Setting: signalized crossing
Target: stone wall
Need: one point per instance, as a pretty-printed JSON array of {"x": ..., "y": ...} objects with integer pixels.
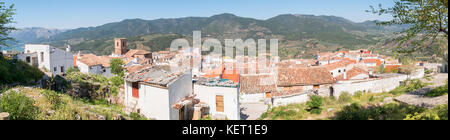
[
  {"x": 374, "y": 86},
  {"x": 292, "y": 99}
]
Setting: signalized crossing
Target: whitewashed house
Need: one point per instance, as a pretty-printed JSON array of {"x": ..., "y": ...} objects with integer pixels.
[
  {"x": 92, "y": 64},
  {"x": 220, "y": 96},
  {"x": 159, "y": 93},
  {"x": 51, "y": 59},
  {"x": 339, "y": 68}
]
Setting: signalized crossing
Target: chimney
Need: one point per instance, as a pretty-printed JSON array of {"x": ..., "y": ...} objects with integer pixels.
[{"x": 68, "y": 48}]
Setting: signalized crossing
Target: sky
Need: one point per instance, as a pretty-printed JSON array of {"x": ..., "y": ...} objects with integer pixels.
[{"x": 70, "y": 14}]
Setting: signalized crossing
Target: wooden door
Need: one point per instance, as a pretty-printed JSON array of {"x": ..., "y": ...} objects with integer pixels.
[{"x": 219, "y": 103}]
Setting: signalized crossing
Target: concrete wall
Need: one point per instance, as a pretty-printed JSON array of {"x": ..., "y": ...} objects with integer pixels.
[
  {"x": 294, "y": 99},
  {"x": 252, "y": 98},
  {"x": 374, "y": 86},
  {"x": 231, "y": 100},
  {"x": 179, "y": 90},
  {"x": 154, "y": 102}
]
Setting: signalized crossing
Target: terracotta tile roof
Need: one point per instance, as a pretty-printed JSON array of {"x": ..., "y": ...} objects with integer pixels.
[
  {"x": 93, "y": 60},
  {"x": 131, "y": 53},
  {"x": 136, "y": 68},
  {"x": 337, "y": 65},
  {"x": 352, "y": 73},
  {"x": 286, "y": 91},
  {"x": 251, "y": 84},
  {"x": 372, "y": 61},
  {"x": 304, "y": 76}
]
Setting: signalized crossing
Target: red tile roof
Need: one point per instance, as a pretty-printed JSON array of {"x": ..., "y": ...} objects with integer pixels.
[
  {"x": 92, "y": 60},
  {"x": 337, "y": 65},
  {"x": 304, "y": 76},
  {"x": 352, "y": 73},
  {"x": 251, "y": 84},
  {"x": 372, "y": 61}
]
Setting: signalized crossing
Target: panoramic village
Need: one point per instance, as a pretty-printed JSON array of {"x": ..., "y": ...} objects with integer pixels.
[
  {"x": 159, "y": 85},
  {"x": 327, "y": 60}
]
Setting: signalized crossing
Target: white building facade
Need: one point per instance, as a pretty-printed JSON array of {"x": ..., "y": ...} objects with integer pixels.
[{"x": 54, "y": 60}]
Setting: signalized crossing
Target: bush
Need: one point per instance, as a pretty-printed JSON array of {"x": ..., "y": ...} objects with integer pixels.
[
  {"x": 15, "y": 71},
  {"x": 387, "y": 112},
  {"x": 315, "y": 104},
  {"x": 136, "y": 116},
  {"x": 345, "y": 97},
  {"x": 353, "y": 112},
  {"x": 409, "y": 86},
  {"x": 53, "y": 98},
  {"x": 439, "y": 91},
  {"x": 19, "y": 106},
  {"x": 436, "y": 113}
]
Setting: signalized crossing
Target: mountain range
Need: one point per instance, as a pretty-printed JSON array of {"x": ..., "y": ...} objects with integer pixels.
[{"x": 299, "y": 35}]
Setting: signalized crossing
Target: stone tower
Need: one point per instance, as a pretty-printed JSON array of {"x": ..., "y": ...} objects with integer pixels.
[{"x": 120, "y": 46}]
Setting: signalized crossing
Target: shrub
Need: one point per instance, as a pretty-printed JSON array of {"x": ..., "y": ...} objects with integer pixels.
[
  {"x": 53, "y": 98},
  {"x": 136, "y": 116},
  {"x": 391, "y": 111},
  {"x": 358, "y": 94},
  {"x": 409, "y": 86},
  {"x": 437, "y": 113},
  {"x": 19, "y": 106},
  {"x": 315, "y": 104},
  {"x": 439, "y": 91},
  {"x": 345, "y": 97}
]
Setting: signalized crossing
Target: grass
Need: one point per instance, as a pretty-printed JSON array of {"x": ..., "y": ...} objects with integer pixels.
[
  {"x": 42, "y": 104},
  {"x": 439, "y": 91},
  {"x": 409, "y": 86}
]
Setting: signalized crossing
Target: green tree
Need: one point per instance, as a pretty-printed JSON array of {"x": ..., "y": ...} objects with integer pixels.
[
  {"x": 116, "y": 67},
  {"x": 428, "y": 20},
  {"x": 6, "y": 13}
]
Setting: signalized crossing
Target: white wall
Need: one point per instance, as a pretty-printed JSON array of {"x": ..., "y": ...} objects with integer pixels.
[
  {"x": 179, "y": 90},
  {"x": 208, "y": 94},
  {"x": 252, "y": 98},
  {"x": 295, "y": 99},
  {"x": 154, "y": 102},
  {"x": 336, "y": 72},
  {"x": 374, "y": 86},
  {"x": 98, "y": 69},
  {"x": 53, "y": 57}
]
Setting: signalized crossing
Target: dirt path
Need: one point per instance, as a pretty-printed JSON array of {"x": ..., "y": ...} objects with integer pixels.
[{"x": 417, "y": 97}]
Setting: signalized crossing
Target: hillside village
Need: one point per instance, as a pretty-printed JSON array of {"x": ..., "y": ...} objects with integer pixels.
[{"x": 186, "y": 85}]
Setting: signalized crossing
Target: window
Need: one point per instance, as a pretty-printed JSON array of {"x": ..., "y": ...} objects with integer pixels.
[
  {"x": 42, "y": 57},
  {"x": 219, "y": 103},
  {"x": 62, "y": 69},
  {"x": 28, "y": 59},
  {"x": 104, "y": 70},
  {"x": 339, "y": 71},
  {"x": 55, "y": 69},
  {"x": 135, "y": 89},
  {"x": 345, "y": 70}
]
